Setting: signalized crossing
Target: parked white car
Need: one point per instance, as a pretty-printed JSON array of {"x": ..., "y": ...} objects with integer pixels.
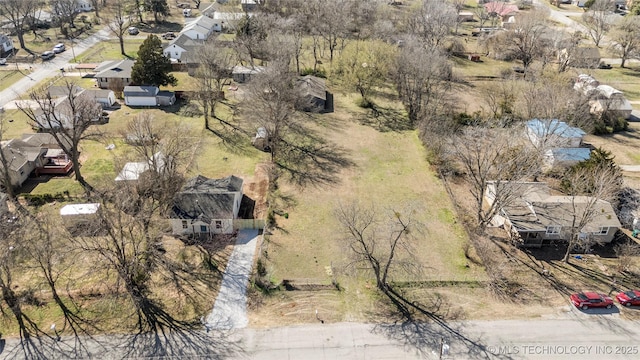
[
  {"x": 58, "y": 48},
  {"x": 3, "y": 61}
]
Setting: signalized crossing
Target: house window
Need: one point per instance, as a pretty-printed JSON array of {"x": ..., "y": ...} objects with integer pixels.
[
  {"x": 218, "y": 224},
  {"x": 176, "y": 53},
  {"x": 604, "y": 230},
  {"x": 184, "y": 224},
  {"x": 553, "y": 230},
  {"x": 203, "y": 228}
]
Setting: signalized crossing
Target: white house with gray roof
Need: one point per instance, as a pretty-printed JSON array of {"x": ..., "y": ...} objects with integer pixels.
[
  {"x": 206, "y": 206},
  {"x": 178, "y": 48}
]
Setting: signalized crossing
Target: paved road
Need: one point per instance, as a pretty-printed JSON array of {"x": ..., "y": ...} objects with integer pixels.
[
  {"x": 52, "y": 67},
  {"x": 230, "y": 308},
  {"x": 578, "y": 335}
]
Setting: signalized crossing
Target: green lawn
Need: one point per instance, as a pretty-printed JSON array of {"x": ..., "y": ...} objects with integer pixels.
[
  {"x": 390, "y": 170},
  {"x": 110, "y": 50},
  {"x": 9, "y": 77}
]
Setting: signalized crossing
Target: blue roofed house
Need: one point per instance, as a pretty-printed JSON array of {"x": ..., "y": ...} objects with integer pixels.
[
  {"x": 206, "y": 206},
  {"x": 559, "y": 158},
  {"x": 559, "y": 143},
  {"x": 553, "y": 134}
]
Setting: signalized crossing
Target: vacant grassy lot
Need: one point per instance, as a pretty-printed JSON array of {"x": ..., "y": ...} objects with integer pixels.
[
  {"x": 389, "y": 170},
  {"x": 9, "y": 77},
  {"x": 110, "y": 50}
]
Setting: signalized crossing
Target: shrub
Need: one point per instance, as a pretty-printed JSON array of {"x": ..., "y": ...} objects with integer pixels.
[{"x": 317, "y": 72}]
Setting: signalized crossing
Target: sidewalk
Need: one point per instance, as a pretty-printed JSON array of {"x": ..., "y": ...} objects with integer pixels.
[{"x": 230, "y": 308}]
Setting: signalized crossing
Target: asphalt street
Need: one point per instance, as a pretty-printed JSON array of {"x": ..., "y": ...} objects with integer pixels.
[{"x": 51, "y": 68}]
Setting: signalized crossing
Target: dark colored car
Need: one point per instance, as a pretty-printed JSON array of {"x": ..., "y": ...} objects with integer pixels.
[
  {"x": 590, "y": 299},
  {"x": 133, "y": 30},
  {"x": 629, "y": 298},
  {"x": 169, "y": 36}
]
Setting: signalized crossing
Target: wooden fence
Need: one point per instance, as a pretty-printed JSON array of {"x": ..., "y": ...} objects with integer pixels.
[{"x": 240, "y": 224}]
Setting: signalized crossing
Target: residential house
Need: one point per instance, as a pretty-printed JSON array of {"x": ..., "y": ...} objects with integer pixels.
[
  {"x": 553, "y": 134},
  {"x": 180, "y": 46},
  {"x": 580, "y": 57},
  {"x": 84, "y": 6},
  {"x": 207, "y": 206},
  {"x": 315, "y": 96},
  {"x": 55, "y": 161},
  {"x": 241, "y": 74},
  {"x": 611, "y": 101},
  {"x": 502, "y": 11},
  {"x": 114, "y": 73},
  {"x": 6, "y": 45},
  {"x": 603, "y": 98},
  {"x": 63, "y": 112},
  {"x": 199, "y": 29},
  {"x": 536, "y": 217},
  {"x": 22, "y": 159},
  {"x": 227, "y": 21},
  {"x": 560, "y": 158},
  {"x": 147, "y": 96},
  {"x": 249, "y": 5},
  {"x": 105, "y": 97}
]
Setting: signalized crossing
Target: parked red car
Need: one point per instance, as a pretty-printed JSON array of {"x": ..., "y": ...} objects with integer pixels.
[
  {"x": 629, "y": 298},
  {"x": 590, "y": 299}
]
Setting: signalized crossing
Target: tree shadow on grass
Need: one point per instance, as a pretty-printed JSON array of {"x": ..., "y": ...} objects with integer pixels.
[
  {"x": 309, "y": 159},
  {"x": 386, "y": 119}
]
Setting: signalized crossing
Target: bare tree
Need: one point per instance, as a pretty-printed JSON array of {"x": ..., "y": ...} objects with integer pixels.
[
  {"x": 589, "y": 190},
  {"x": 491, "y": 155},
  {"x": 363, "y": 65},
  {"x": 596, "y": 20},
  {"x": 68, "y": 119},
  {"x": 211, "y": 74},
  {"x": 432, "y": 22},
  {"x": 381, "y": 243},
  {"x": 270, "y": 102},
  {"x": 120, "y": 23},
  {"x": 525, "y": 40},
  {"x": 19, "y": 13},
  {"x": 551, "y": 96},
  {"x": 625, "y": 39},
  {"x": 66, "y": 11},
  {"x": 422, "y": 79}
]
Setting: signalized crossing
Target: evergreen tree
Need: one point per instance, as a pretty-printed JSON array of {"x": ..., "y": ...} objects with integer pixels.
[
  {"x": 158, "y": 7},
  {"x": 152, "y": 67}
]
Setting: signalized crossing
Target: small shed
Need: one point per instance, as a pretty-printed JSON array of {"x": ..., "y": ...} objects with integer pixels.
[
  {"x": 106, "y": 98},
  {"x": 140, "y": 95},
  {"x": 243, "y": 74},
  {"x": 166, "y": 98},
  {"x": 261, "y": 140},
  {"x": 80, "y": 218},
  {"x": 465, "y": 16}
]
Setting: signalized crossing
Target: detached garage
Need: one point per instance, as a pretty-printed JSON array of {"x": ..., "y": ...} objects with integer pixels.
[
  {"x": 140, "y": 95},
  {"x": 106, "y": 98}
]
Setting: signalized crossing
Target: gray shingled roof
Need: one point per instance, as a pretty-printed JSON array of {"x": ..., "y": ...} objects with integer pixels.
[
  {"x": 142, "y": 91},
  {"x": 312, "y": 86},
  {"x": 206, "y": 199},
  {"x": 114, "y": 69}
]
